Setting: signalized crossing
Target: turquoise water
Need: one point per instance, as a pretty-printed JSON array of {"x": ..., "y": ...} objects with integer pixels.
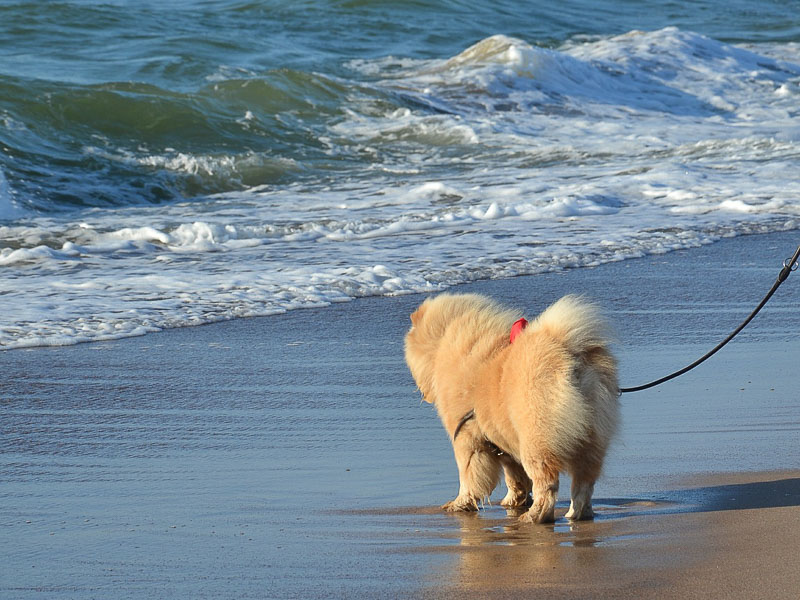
[
  {"x": 136, "y": 78},
  {"x": 172, "y": 164}
]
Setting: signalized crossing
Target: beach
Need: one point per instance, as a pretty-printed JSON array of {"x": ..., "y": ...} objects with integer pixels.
[
  {"x": 290, "y": 456},
  {"x": 216, "y": 218}
]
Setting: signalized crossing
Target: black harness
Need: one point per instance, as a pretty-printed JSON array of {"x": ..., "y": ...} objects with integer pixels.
[
  {"x": 491, "y": 447},
  {"x": 462, "y": 422}
]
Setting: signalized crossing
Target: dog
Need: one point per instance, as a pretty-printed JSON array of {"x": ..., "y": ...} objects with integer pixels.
[{"x": 543, "y": 404}]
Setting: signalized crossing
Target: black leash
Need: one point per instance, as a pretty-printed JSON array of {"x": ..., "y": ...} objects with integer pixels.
[{"x": 789, "y": 265}]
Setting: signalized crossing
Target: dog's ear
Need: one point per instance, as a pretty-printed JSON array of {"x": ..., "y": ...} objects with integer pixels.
[{"x": 417, "y": 315}]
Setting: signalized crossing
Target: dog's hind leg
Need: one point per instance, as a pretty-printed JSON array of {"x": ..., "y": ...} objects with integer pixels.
[
  {"x": 580, "y": 507},
  {"x": 517, "y": 482},
  {"x": 544, "y": 473},
  {"x": 583, "y": 478},
  {"x": 478, "y": 474}
]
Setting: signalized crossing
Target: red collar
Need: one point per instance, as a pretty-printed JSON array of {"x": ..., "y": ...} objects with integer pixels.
[{"x": 517, "y": 328}]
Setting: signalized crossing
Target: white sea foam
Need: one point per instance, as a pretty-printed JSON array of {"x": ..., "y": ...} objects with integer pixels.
[
  {"x": 513, "y": 160},
  {"x": 229, "y": 170}
]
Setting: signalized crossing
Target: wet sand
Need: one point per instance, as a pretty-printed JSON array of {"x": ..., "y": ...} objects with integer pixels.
[
  {"x": 738, "y": 543},
  {"x": 290, "y": 456}
]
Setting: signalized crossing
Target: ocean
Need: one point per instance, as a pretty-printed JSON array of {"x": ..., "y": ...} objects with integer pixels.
[{"x": 166, "y": 164}]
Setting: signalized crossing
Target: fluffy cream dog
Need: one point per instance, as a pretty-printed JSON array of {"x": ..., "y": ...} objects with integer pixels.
[{"x": 544, "y": 404}]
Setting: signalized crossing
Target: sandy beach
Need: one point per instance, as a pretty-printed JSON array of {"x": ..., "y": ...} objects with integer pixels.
[{"x": 291, "y": 457}]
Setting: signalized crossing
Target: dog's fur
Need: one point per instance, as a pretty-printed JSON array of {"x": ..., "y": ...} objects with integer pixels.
[{"x": 548, "y": 402}]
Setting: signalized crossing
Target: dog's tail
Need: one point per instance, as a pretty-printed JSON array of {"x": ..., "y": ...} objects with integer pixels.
[{"x": 577, "y": 323}]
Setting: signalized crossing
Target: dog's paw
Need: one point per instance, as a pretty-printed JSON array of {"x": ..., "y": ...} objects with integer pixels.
[
  {"x": 528, "y": 517},
  {"x": 538, "y": 513},
  {"x": 461, "y": 505},
  {"x": 584, "y": 514},
  {"x": 516, "y": 500}
]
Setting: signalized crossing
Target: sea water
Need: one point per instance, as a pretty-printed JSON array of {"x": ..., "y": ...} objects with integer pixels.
[{"x": 165, "y": 164}]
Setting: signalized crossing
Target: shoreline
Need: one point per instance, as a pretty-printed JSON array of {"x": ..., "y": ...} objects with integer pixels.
[
  {"x": 149, "y": 329},
  {"x": 290, "y": 456}
]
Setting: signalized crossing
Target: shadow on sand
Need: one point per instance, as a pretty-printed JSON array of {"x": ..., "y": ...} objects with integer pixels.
[{"x": 741, "y": 496}]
